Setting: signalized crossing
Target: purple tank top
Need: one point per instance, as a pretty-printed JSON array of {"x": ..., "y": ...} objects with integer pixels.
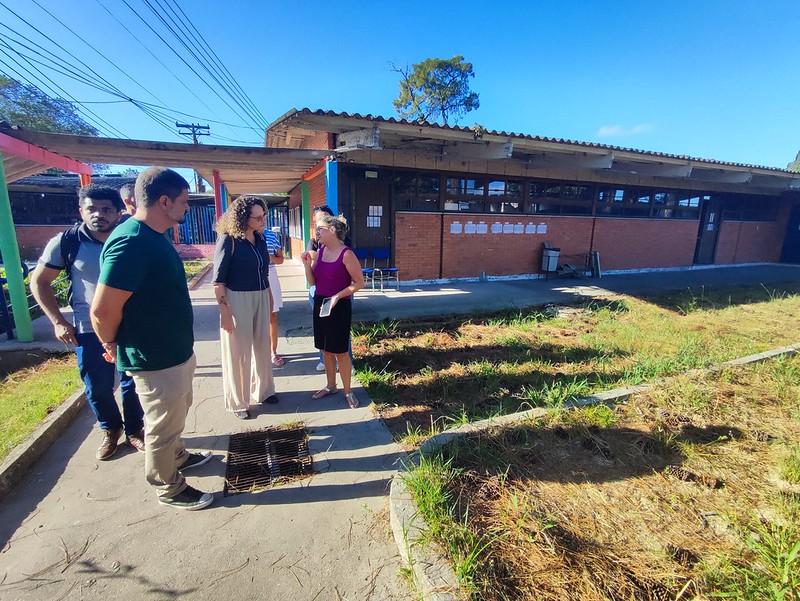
[{"x": 331, "y": 277}]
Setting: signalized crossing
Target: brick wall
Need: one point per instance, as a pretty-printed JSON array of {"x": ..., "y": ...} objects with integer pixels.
[
  {"x": 317, "y": 196},
  {"x": 195, "y": 251},
  {"x": 33, "y": 238},
  {"x": 622, "y": 243},
  {"x": 320, "y": 140},
  {"x": 316, "y": 191},
  {"x": 644, "y": 243},
  {"x": 416, "y": 245},
  {"x": 750, "y": 242}
]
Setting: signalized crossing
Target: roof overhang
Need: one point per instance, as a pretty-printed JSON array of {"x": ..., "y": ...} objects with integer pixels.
[
  {"x": 242, "y": 169},
  {"x": 21, "y": 159},
  {"x": 373, "y": 140}
]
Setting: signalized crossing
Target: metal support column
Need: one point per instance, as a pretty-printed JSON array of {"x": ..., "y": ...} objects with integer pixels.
[{"x": 10, "y": 250}]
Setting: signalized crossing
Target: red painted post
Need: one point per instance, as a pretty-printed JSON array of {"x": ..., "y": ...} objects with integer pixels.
[{"x": 217, "y": 196}]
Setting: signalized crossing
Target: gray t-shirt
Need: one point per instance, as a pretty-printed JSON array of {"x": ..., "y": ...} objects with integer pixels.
[{"x": 85, "y": 273}]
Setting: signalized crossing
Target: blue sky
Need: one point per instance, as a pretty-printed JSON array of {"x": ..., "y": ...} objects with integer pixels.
[{"x": 710, "y": 79}]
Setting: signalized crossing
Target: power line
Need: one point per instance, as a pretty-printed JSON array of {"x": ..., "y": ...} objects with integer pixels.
[
  {"x": 86, "y": 43},
  {"x": 185, "y": 40},
  {"x": 215, "y": 58},
  {"x": 156, "y": 112},
  {"x": 158, "y": 60},
  {"x": 94, "y": 118},
  {"x": 114, "y": 90},
  {"x": 183, "y": 60}
]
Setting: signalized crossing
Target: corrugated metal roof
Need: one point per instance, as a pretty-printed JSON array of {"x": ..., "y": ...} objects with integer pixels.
[
  {"x": 72, "y": 181},
  {"x": 646, "y": 153}
]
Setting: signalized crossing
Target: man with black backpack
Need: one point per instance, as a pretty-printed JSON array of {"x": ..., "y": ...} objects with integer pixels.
[{"x": 76, "y": 251}]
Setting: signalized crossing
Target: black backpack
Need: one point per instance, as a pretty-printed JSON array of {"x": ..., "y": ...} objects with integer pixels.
[{"x": 70, "y": 242}]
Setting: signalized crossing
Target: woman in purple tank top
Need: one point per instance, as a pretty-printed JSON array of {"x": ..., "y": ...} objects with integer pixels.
[{"x": 337, "y": 275}]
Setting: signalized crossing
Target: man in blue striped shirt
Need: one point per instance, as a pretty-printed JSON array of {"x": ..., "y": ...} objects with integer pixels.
[{"x": 276, "y": 298}]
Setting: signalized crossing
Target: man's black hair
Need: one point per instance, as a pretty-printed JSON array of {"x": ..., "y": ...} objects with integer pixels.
[
  {"x": 98, "y": 192},
  {"x": 155, "y": 182},
  {"x": 324, "y": 209}
]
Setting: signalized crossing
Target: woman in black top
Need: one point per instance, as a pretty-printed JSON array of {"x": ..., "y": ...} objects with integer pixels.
[{"x": 241, "y": 264}]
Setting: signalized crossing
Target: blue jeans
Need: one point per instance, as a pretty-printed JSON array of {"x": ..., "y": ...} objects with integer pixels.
[{"x": 98, "y": 378}]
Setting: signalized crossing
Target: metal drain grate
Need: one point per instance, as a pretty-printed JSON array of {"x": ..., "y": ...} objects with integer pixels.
[{"x": 257, "y": 459}]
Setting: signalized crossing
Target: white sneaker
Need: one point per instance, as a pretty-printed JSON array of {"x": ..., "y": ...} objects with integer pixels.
[{"x": 320, "y": 366}]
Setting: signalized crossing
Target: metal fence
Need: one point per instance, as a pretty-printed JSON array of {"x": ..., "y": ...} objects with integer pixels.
[{"x": 198, "y": 228}]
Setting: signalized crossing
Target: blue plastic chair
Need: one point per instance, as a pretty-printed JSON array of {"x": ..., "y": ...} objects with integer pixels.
[
  {"x": 384, "y": 273},
  {"x": 362, "y": 254}
]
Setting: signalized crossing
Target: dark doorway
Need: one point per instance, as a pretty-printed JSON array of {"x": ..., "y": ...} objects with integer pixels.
[
  {"x": 791, "y": 241},
  {"x": 371, "y": 214},
  {"x": 707, "y": 237}
]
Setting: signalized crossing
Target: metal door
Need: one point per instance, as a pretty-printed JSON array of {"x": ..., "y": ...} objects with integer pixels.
[
  {"x": 710, "y": 219},
  {"x": 791, "y": 241},
  {"x": 371, "y": 225}
]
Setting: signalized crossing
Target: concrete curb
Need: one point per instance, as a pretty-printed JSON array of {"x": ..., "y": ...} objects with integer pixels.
[
  {"x": 195, "y": 281},
  {"x": 433, "y": 575},
  {"x": 22, "y": 457}
]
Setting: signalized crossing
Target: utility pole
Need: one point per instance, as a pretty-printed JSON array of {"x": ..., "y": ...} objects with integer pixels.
[{"x": 195, "y": 129}]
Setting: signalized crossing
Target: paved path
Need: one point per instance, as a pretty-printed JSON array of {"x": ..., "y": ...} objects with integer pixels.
[{"x": 77, "y": 528}]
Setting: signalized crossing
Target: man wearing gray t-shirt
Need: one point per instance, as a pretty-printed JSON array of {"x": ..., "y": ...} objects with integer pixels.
[{"x": 77, "y": 252}]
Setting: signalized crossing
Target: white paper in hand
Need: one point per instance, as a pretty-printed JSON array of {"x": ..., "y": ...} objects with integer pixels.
[{"x": 325, "y": 309}]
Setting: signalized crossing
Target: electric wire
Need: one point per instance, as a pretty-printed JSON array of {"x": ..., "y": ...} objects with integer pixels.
[
  {"x": 115, "y": 90},
  {"x": 156, "y": 112},
  {"x": 158, "y": 60},
  {"x": 183, "y": 60},
  {"x": 71, "y": 72},
  {"x": 185, "y": 40},
  {"x": 215, "y": 59},
  {"x": 178, "y": 33},
  {"x": 43, "y": 86},
  {"x": 89, "y": 45}
]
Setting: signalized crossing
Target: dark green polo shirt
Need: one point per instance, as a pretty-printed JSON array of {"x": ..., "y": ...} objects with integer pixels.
[{"x": 156, "y": 329}]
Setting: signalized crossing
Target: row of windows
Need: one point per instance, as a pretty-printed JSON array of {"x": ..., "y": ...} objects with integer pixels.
[
  {"x": 295, "y": 223},
  {"x": 423, "y": 192}
]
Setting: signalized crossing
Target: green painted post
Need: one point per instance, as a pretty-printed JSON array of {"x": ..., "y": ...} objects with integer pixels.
[{"x": 10, "y": 251}]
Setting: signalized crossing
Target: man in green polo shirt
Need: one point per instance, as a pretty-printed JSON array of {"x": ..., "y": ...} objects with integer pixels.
[{"x": 143, "y": 316}]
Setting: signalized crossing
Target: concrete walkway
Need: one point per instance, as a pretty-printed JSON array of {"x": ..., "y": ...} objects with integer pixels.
[{"x": 77, "y": 528}]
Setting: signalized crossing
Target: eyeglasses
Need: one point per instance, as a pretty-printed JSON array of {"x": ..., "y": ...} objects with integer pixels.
[
  {"x": 319, "y": 228},
  {"x": 259, "y": 218}
]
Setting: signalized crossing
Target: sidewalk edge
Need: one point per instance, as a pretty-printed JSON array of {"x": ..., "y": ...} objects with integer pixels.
[{"x": 22, "y": 457}]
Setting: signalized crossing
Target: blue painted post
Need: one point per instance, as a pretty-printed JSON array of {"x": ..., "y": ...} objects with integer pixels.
[
  {"x": 224, "y": 193},
  {"x": 332, "y": 185}
]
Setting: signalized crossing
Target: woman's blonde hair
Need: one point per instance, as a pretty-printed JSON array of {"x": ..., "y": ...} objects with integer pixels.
[
  {"x": 234, "y": 221},
  {"x": 339, "y": 224}
]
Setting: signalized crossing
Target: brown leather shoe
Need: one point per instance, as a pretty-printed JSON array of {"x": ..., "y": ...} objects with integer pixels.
[
  {"x": 137, "y": 440},
  {"x": 110, "y": 443}
]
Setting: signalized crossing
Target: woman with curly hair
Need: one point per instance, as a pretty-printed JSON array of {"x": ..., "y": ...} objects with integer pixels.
[{"x": 241, "y": 283}]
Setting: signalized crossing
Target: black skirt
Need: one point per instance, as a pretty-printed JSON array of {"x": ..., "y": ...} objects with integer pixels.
[{"x": 332, "y": 333}]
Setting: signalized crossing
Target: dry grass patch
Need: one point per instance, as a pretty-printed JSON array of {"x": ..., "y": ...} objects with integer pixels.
[
  {"x": 471, "y": 367},
  {"x": 681, "y": 493}
]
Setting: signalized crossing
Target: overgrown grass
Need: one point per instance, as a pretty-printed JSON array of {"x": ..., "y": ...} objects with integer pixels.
[
  {"x": 28, "y": 395},
  {"x": 194, "y": 266},
  {"x": 680, "y": 493},
  {"x": 512, "y": 360}
]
